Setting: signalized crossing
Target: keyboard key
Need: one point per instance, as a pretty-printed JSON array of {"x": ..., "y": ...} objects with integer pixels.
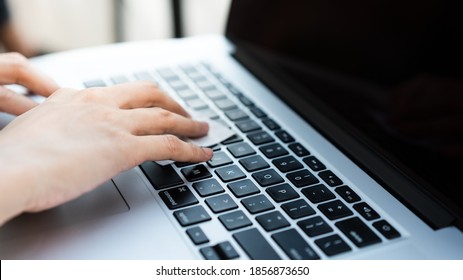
[
  {"x": 335, "y": 210},
  {"x": 255, "y": 245},
  {"x": 302, "y": 178},
  {"x": 273, "y": 150},
  {"x": 197, "y": 104},
  {"x": 271, "y": 124},
  {"x": 94, "y": 83},
  {"x": 314, "y": 163},
  {"x": 231, "y": 140},
  {"x": 314, "y": 226},
  {"x": 347, "y": 194},
  {"x": 366, "y": 211},
  {"x": 318, "y": 193},
  {"x": 358, "y": 232},
  {"x": 299, "y": 150},
  {"x": 386, "y": 229},
  {"x": 332, "y": 245},
  {"x": 187, "y": 94},
  {"x": 120, "y": 79},
  {"x": 240, "y": 149},
  {"x": 287, "y": 164},
  {"x": 191, "y": 216},
  {"x": 236, "y": 114},
  {"x": 284, "y": 136},
  {"x": 144, "y": 76},
  {"x": 230, "y": 173},
  {"x": 298, "y": 209},
  {"x": 160, "y": 176},
  {"x": 245, "y": 101},
  {"x": 247, "y": 126},
  {"x": 178, "y": 197},
  {"x": 294, "y": 245},
  {"x": 260, "y": 137},
  {"x": 267, "y": 177},
  {"x": 331, "y": 179},
  {"x": 219, "y": 159},
  {"x": 283, "y": 192},
  {"x": 204, "y": 85},
  {"x": 257, "y": 112},
  {"x": 214, "y": 94},
  {"x": 226, "y": 251},
  {"x": 195, "y": 173},
  {"x": 208, "y": 187},
  {"x": 221, "y": 203},
  {"x": 254, "y": 163},
  {"x": 209, "y": 253},
  {"x": 243, "y": 188},
  {"x": 257, "y": 204},
  {"x": 177, "y": 85},
  {"x": 225, "y": 104},
  {"x": 272, "y": 221},
  {"x": 197, "y": 235},
  {"x": 234, "y": 220}
]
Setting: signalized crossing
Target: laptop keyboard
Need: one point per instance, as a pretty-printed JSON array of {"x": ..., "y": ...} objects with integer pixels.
[{"x": 262, "y": 185}]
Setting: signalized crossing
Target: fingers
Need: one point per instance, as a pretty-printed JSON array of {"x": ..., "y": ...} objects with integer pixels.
[
  {"x": 15, "y": 69},
  {"x": 156, "y": 121},
  {"x": 162, "y": 147},
  {"x": 13, "y": 103},
  {"x": 141, "y": 95}
]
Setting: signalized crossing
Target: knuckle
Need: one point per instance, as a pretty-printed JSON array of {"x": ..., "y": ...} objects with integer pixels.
[{"x": 172, "y": 144}]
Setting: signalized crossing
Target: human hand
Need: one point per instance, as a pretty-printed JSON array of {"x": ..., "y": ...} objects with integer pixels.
[
  {"x": 76, "y": 140},
  {"x": 15, "y": 69}
]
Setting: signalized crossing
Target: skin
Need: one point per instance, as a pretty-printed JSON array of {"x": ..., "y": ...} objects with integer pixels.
[{"x": 77, "y": 139}]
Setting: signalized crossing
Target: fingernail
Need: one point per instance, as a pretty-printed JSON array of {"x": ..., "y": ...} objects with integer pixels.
[{"x": 204, "y": 127}]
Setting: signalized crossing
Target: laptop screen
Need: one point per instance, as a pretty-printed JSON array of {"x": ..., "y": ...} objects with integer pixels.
[{"x": 392, "y": 69}]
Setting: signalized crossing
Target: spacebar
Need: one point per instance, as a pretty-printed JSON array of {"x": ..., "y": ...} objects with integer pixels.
[{"x": 255, "y": 245}]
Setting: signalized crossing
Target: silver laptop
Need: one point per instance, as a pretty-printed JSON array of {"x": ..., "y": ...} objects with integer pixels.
[{"x": 335, "y": 154}]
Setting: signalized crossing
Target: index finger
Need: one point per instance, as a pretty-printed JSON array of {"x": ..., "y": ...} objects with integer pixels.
[{"x": 15, "y": 69}]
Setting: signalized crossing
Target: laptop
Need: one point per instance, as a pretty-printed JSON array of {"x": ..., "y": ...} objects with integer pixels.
[{"x": 346, "y": 141}]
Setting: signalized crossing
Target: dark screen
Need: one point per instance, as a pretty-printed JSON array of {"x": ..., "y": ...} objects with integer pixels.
[{"x": 392, "y": 69}]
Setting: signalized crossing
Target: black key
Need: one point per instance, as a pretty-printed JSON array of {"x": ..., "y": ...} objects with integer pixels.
[
  {"x": 255, "y": 245},
  {"x": 254, "y": 163},
  {"x": 178, "y": 197},
  {"x": 230, "y": 173},
  {"x": 191, "y": 216},
  {"x": 208, "y": 187},
  {"x": 245, "y": 101},
  {"x": 197, "y": 104},
  {"x": 386, "y": 229},
  {"x": 302, "y": 178},
  {"x": 332, "y": 245},
  {"x": 219, "y": 159},
  {"x": 221, "y": 203},
  {"x": 209, "y": 253},
  {"x": 195, "y": 173},
  {"x": 335, "y": 209},
  {"x": 273, "y": 150},
  {"x": 197, "y": 235},
  {"x": 214, "y": 94},
  {"x": 294, "y": 245},
  {"x": 231, "y": 140},
  {"x": 299, "y": 150},
  {"x": 366, "y": 211},
  {"x": 347, "y": 194},
  {"x": 314, "y": 163},
  {"x": 247, "y": 126},
  {"x": 234, "y": 90},
  {"x": 234, "y": 220},
  {"x": 358, "y": 232},
  {"x": 225, "y": 104},
  {"x": 283, "y": 192},
  {"x": 257, "y": 204},
  {"x": 257, "y": 112},
  {"x": 260, "y": 137},
  {"x": 226, "y": 251},
  {"x": 331, "y": 179},
  {"x": 267, "y": 177},
  {"x": 236, "y": 114},
  {"x": 298, "y": 209},
  {"x": 243, "y": 188},
  {"x": 318, "y": 193},
  {"x": 286, "y": 164},
  {"x": 183, "y": 164},
  {"x": 314, "y": 226},
  {"x": 160, "y": 177},
  {"x": 94, "y": 83},
  {"x": 272, "y": 221},
  {"x": 271, "y": 124},
  {"x": 240, "y": 150},
  {"x": 284, "y": 136},
  {"x": 119, "y": 79}
]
